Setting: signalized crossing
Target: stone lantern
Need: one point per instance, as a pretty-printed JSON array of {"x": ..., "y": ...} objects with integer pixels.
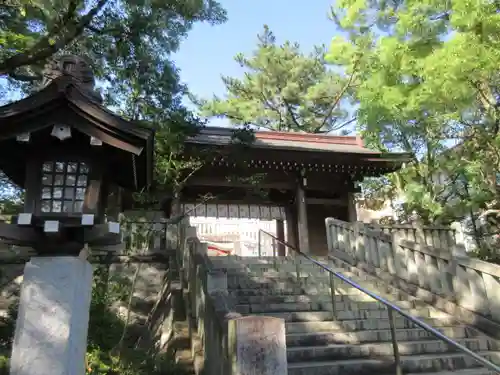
[{"x": 65, "y": 149}]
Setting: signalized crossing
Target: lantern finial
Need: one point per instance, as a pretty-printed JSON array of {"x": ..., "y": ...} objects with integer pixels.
[{"x": 77, "y": 67}]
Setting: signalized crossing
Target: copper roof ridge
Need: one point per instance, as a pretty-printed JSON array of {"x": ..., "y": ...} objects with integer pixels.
[{"x": 354, "y": 140}]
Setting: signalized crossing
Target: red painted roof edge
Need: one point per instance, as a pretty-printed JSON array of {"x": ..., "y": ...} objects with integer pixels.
[
  {"x": 359, "y": 141},
  {"x": 314, "y": 138}
]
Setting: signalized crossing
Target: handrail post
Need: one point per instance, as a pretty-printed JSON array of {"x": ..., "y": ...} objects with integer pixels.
[
  {"x": 274, "y": 254},
  {"x": 332, "y": 295},
  {"x": 395, "y": 348},
  {"x": 259, "y": 239}
]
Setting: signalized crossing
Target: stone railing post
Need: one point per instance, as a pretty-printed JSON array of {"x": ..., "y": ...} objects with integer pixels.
[
  {"x": 197, "y": 278},
  {"x": 355, "y": 245},
  {"x": 213, "y": 299},
  {"x": 208, "y": 329},
  {"x": 216, "y": 282},
  {"x": 257, "y": 346},
  {"x": 396, "y": 256},
  {"x": 230, "y": 344},
  {"x": 330, "y": 234},
  {"x": 458, "y": 250},
  {"x": 235, "y": 345}
]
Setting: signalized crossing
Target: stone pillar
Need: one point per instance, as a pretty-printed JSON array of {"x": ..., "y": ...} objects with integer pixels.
[
  {"x": 52, "y": 323},
  {"x": 457, "y": 244},
  {"x": 257, "y": 345},
  {"x": 291, "y": 225},
  {"x": 303, "y": 230},
  {"x": 176, "y": 204},
  {"x": 216, "y": 282},
  {"x": 280, "y": 233},
  {"x": 352, "y": 213}
]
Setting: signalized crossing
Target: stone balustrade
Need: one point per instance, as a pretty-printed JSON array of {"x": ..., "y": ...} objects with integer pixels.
[
  {"x": 435, "y": 236},
  {"x": 224, "y": 342},
  {"x": 142, "y": 235},
  {"x": 445, "y": 276}
]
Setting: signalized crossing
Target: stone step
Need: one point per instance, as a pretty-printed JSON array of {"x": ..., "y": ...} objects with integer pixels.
[
  {"x": 373, "y": 336},
  {"x": 267, "y": 277},
  {"x": 311, "y": 283},
  {"x": 293, "y": 298},
  {"x": 416, "y": 363},
  {"x": 307, "y": 316},
  {"x": 301, "y": 261},
  {"x": 289, "y": 291},
  {"x": 363, "y": 281},
  {"x": 321, "y": 306},
  {"x": 336, "y": 352},
  {"x": 289, "y": 267},
  {"x": 317, "y": 273},
  {"x": 388, "y": 293},
  {"x": 313, "y": 286},
  {"x": 269, "y": 264},
  {"x": 308, "y": 288},
  {"x": 362, "y": 324},
  {"x": 264, "y": 260},
  {"x": 252, "y": 282},
  {"x": 470, "y": 371},
  {"x": 284, "y": 271},
  {"x": 292, "y": 287},
  {"x": 305, "y": 268}
]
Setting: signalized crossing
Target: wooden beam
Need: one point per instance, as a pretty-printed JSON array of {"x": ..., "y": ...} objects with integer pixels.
[
  {"x": 302, "y": 222},
  {"x": 102, "y": 234},
  {"x": 291, "y": 224},
  {"x": 327, "y": 201},
  {"x": 93, "y": 191},
  {"x": 364, "y": 163},
  {"x": 280, "y": 233},
  {"x": 19, "y": 234},
  {"x": 223, "y": 182},
  {"x": 257, "y": 202},
  {"x": 156, "y": 257},
  {"x": 217, "y": 177},
  {"x": 32, "y": 183}
]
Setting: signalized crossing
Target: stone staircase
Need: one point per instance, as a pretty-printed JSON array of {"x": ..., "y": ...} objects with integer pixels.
[{"x": 357, "y": 338}]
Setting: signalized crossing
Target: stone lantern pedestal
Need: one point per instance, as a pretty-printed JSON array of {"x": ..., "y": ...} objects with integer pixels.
[{"x": 51, "y": 329}]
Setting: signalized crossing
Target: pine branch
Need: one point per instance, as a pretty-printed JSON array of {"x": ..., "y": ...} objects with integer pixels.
[{"x": 341, "y": 94}]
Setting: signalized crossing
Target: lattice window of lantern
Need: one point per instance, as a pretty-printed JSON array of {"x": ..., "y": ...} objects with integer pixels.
[{"x": 63, "y": 186}]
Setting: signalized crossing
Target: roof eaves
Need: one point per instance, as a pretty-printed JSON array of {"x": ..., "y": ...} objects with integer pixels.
[{"x": 96, "y": 110}]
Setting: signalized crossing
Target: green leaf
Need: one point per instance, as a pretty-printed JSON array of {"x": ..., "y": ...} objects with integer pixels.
[{"x": 428, "y": 78}]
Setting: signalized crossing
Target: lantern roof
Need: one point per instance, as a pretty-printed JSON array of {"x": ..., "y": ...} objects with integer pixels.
[{"x": 67, "y": 98}]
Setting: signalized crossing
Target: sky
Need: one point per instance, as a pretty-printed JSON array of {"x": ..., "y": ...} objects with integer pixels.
[{"x": 208, "y": 51}]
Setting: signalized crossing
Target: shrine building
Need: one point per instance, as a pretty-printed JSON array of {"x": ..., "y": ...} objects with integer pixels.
[{"x": 306, "y": 178}]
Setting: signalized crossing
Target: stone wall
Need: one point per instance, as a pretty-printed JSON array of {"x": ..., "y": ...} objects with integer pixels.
[
  {"x": 149, "y": 281},
  {"x": 151, "y": 309}
]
